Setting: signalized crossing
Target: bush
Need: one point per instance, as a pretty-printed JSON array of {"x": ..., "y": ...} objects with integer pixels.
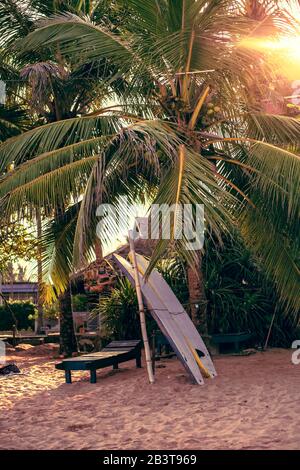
[
  {"x": 80, "y": 303},
  {"x": 119, "y": 314},
  {"x": 22, "y": 311},
  {"x": 240, "y": 297},
  {"x": 51, "y": 312},
  {"x": 118, "y": 311},
  {"x": 173, "y": 271}
]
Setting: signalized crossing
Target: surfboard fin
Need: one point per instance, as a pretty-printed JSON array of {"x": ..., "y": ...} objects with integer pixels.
[{"x": 196, "y": 353}]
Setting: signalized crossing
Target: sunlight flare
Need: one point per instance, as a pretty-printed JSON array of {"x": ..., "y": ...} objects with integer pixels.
[{"x": 283, "y": 52}]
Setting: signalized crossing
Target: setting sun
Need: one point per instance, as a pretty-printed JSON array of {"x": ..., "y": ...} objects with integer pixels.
[{"x": 283, "y": 53}]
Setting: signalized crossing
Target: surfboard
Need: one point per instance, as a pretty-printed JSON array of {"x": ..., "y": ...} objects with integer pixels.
[
  {"x": 180, "y": 316},
  {"x": 182, "y": 345}
]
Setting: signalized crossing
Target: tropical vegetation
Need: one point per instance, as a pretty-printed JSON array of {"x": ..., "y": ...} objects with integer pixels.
[
  {"x": 156, "y": 98},
  {"x": 20, "y": 312}
]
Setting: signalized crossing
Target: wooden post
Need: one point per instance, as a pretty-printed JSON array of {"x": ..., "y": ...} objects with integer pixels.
[
  {"x": 269, "y": 331},
  {"x": 141, "y": 309},
  {"x": 153, "y": 347},
  {"x": 93, "y": 379},
  {"x": 68, "y": 376}
]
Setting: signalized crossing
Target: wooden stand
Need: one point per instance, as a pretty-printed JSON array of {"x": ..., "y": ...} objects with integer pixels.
[{"x": 141, "y": 309}]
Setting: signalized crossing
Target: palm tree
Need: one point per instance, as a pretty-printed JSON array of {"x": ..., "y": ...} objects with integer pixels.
[
  {"x": 49, "y": 89},
  {"x": 188, "y": 128}
]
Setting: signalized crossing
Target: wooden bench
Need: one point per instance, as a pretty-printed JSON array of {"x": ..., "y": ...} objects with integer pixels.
[
  {"x": 232, "y": 338},
  {"x": 112, "y": 355}
]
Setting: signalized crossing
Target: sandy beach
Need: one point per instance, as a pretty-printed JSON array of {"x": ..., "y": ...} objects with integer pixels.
[{"x": 252, "y": 404}]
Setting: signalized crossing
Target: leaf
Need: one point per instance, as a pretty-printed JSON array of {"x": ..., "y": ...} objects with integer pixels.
[
  {"x": 198, "y": 108},
  {"x": 78, "y": 35},
  {"x": 276, "y": 256}
]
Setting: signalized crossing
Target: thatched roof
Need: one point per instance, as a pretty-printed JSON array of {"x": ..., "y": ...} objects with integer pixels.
[{"x": 143, "y": 247}]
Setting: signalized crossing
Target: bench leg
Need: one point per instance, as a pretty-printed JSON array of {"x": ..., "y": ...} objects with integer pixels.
[
  {"x": 139, "y": 361},
  {"x": 93, "y": 377},
  {"x": 115, "y": 366},
  {"x": 68, "y": 376}
]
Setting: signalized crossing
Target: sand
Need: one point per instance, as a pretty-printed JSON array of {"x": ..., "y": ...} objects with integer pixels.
[{"x": 252, "y": 404}]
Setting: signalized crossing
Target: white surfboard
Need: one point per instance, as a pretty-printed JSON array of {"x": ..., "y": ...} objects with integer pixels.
[
  {"x": 177, "y": 332},
  {"x": 178, "y": 313}
]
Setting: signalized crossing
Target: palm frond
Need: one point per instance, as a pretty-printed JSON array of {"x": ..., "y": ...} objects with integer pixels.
[
  {"x": 13, "y": 120},
  {"x": 57, "y": 249},
  {"x": 15, "y": 22},
  {"x": 275, "y": 129},
  {"x": 199, "y": 187},
  {"x": 277, "y": 254},
  {"x": 282, "y": 168},
  {"x": 76, "y": 35},
  {"x": 52, "y": 136},
  {"x": 132, "y": 160},
  {"x": 270, "y": 177},
  {"x": 50, "y": 190},
  {"x": 50, "y": 161},
  {"x": 272, "y": 170}
]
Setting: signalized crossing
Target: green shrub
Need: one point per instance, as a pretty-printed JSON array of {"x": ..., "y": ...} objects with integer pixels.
[
  {"x": 240, "y": 297},
  {"x": 22, "y": 312},
  {"x": 80, "y": 303},
  {"x": 174, "y": 272},
  {"x": 118, "y": 311},
  {"x": 119, "y": 314},
  {"x": 51, "y": 311}
]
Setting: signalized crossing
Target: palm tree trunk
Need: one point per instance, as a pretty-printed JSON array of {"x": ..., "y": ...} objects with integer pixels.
[
  {"x": 68, "y": 343},
  {"x": 1, "y": 281},
  {"x": 98, "y": 250},
  {"x": 39, "y": 274},
  {"x": 67, "y": 335},
  {"x": 197, "y": 296}
]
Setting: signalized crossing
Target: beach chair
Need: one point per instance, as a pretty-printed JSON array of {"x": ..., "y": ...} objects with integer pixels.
[{"x": 113, "y": 354}]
